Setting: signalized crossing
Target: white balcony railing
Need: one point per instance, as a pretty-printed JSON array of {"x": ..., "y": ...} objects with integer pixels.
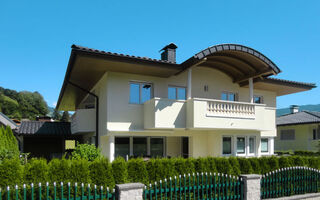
[{"x": 230, "y": 109}]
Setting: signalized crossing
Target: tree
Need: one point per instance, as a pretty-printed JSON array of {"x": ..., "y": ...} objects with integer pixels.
[
  {"x": 65, "y": 116},
  {"x": 56, "y": 115},
  {"x": 8, "y": 144}
]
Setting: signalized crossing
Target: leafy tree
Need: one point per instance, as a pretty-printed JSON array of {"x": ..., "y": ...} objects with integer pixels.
[
  {"x": 65, "y": 116},
  {"x": 8, "y": 144},
  {"x": 86, "y": 151},
  {"x": 56, "y": 115}
]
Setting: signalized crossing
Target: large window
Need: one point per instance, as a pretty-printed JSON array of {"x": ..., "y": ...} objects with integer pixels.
[
  {"x": 122, "y": 146},
  {"x": 287, "y": 134},
  {"x": 140, "y": 146},
  {"x": 226, "y": 145},
  {"x": 228, "y": 96},
  {"x": 252, "y": 146},
  {"x": 264, "y": 145},
  {"x": 156, "y": 147},
  {"x": 241, "y": 145},
  {"x": 177, "y": 93},
  {"x": 140, "y": 92}
]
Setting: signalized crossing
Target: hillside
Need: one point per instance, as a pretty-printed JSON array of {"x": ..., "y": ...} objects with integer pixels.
[
  {"x": 22, "y": 104},
  {"x": 284, "y": 111}
]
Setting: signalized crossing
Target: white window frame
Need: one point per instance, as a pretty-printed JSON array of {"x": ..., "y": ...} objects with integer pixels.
[
  {"x": 141, "y": 83},
  {"x": 176, "y": 87},
  {"x": 232, "y": 145},
  {"x": 269, "y": 146},
  {"x": 254, "y": 146},
  {"x": 234, "y": 140},
  {"x": 236, "y": 146},
  {"x": 228, "y": 93}
]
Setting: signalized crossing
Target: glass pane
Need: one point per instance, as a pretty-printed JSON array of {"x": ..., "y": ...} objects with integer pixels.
[
  {"x": 257, "y": 99},
  {"x": 251, "y": 145},
  {"x": 226, "y": 145},
  {"x": 146, "y": 92},
  {"x": 122, "y": 146},
  {"x": 139, "y": 146},
  {"x": 264, "y": 145},
  {"x": 156, "y": 147},
  {"x": 232, "y": 97},
  {"x": 182, "y": 93},
  {"x": 172, "y": 93},
  {"x": 224, "y": 96},
  {"x": 134, "y": 93},
  {"x": 241, "y": 145}
]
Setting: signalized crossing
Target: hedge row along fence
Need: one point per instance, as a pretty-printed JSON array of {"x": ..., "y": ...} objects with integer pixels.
[{"x": 103, "y": 173}]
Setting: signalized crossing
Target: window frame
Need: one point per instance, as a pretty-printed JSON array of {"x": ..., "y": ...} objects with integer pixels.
[
  {"x": 258, "y": 96},
  {"x": 141, "y": 83},
  {"x": 231, "y": 145},
  {"x": 245, "y": 146},
  {"x": 254, "y": 146},
  {"x": 268, "y": 148},
  {"x": 176, "y": 88},
  {"x": 228, "y": 93},
  {"x": 283, "y": 132}
]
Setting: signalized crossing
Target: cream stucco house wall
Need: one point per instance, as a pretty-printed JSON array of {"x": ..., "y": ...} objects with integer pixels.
[{"x": 220, "y": 102}]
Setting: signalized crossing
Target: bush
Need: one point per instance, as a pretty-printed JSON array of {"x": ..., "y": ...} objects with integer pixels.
[
  {"x": 284, "y": 162},
  {"x": 223, "y": 166},
  {"x": 245, "y": 166},
  {"x": 314, "y": 162},
  {"x": 273, "y": 163},
  {"x": 36, "y": 171},
  {"x": 212, "y": 165},
  {"x": 235, "y": 165},
  {"x": 101, "y": 173},
  {"x": 119, "y": 168},
  {"x": 297, "y": 161},
  {"x": 59, "y": 171},
  {"x": 184, "y": 166},
  {"x": 264, "y": 165},
  {"x": 11, "y": 172},
  {"x": 155, "y": 170},
  {"x": 168, "y": 168},
  {"x": 202, "y": 165},
  {"x": 255, "y": 165},
  {"x": 79, "y": 171},
  {"x": 137, "y": 171},
  {"x": 8, "y": 144},
  {"x": 86, "y": 151}
]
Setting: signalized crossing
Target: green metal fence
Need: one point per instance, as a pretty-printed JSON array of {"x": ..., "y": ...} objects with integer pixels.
[
  {"x": 196, "y": 186},
  {"x": 57, "y": 192},
  {"x": 290, "y": 181}
]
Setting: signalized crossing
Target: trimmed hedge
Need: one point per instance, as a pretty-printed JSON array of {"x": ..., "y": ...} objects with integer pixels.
[{"x": 102, "y": 172}]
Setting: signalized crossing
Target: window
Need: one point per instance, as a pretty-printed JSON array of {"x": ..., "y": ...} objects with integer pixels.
[
  {"x": 241, "y": 145},
  {"x": 156, "y": 147},
  {"x": 226, "y": 143},
  {"x": 252, "y": 145},
  {"x": 287, "y": 134},
  {"x": 257, "y": 99},
  {"x": 122, "y": 146},
  {"x": 264, "y": 145},
  {"x": 139, "y": 146},
  {"x": 178, "y": 93},
  {"x": 140, "y": 92},
  {"x": 228, "y": 96}
]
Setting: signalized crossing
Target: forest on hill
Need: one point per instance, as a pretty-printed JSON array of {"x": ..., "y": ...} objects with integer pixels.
[{"x": 22, "y": 105}]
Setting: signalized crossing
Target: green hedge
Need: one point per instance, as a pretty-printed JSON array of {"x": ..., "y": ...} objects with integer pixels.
[{"x": 102, "y": 172}]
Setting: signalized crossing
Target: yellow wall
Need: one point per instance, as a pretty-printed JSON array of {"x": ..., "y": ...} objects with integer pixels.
[{"x": 303, "y": 138}]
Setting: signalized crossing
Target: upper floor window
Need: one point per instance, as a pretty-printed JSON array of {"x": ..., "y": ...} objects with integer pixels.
[
  {"x": 178, "y": 93},
  {"x": 287, "y": 134},
  {"x": 228, "y": 96},
  {"x": 257, "y": 99},
  {"x": 140, "y": 92}
]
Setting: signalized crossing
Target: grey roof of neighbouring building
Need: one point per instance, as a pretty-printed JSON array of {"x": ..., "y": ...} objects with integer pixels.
[
  {"x": 5, "y": 120},
  {"x": 44, "y": 128},
  {"x": 303, "y": 117}
]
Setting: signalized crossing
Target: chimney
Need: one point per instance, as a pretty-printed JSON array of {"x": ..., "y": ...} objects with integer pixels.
[
  {"x": 169, "y": 53},
  {"x": 294, "y": 109}
]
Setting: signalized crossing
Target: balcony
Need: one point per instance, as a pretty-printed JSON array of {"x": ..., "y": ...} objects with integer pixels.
[
  {"x": 83, "y": 121},
  {"x": 199, "y": 113}
]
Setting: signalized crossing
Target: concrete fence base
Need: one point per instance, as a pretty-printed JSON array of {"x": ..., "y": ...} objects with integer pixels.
[{"x": 130, "y": 191}]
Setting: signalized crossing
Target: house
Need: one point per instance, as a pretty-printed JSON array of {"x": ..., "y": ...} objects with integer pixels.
[
  {"x": 219, "y": 102},
  {"x": 45, "y": 139},
  {"x": 298, "y": 131},
  {"x": 6, "y": 121}
]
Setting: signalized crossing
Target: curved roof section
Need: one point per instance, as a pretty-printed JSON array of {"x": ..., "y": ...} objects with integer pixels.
[{"x": 237, "y": 61}]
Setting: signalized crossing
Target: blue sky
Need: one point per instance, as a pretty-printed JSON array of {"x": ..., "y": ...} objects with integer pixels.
[{"x": 35, "y": 36}]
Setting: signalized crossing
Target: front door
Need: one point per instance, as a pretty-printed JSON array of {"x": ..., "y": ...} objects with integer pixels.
[{"x": 185, "y": 147}]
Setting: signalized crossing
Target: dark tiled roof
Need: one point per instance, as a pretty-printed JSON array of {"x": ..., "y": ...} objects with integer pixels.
[
  {"x": 303, "y": 117},
  {"x": 44, "y": 128},
  {"x": 90, "y": 50},
  {"x": 276, "y": 80}
]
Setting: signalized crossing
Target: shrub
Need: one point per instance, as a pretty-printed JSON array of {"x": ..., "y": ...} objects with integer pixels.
[
  {"x": 264, "y": 165},
  {"x": 314, "y": 162},
  {"x": 8, "y": 144},
  {"x": 284, "y": 162},
  {"x": 212, "y": 165},
  {"x": 168, "y": 167},
  {"x": 137, "y": 171},
  {"x": 245, "y": 166},
  {"x": 235, "y": 165},
  {"x": 11, "y": 172},
  {"x": 86, "y": 151},
  {"x": 119, "y": 168},
  {"x": 223, "y": 166},
  {"x": 79, "y": 171},
  {"x": 202, "y": 165},
  {"x": 155, "y": 170},
  {"x": 255, "y": 165},
  {"x": 101, "y": 173},
  {"x": 297, "y": 161},
  {"x": 273, "y": 163},
  {"x": 59, "y": 170},
  {"x": 36, "y": 171}
]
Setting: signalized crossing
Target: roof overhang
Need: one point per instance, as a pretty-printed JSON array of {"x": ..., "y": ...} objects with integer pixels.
[{"x": 87, "y": 66}]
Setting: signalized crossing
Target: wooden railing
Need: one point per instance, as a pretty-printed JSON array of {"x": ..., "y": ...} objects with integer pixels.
[{"x": 230, "y": 109}]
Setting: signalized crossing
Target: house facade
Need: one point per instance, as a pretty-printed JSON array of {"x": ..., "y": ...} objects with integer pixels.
[
  {"x": 298, "y": 131},
  {"x": 220, "y": 102}
]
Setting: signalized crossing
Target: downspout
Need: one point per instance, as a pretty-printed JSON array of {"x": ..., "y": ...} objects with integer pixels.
[{"x": 97, "y": 109}]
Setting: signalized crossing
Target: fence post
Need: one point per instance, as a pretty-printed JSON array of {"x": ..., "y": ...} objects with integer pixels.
[
  {"x": 129, "y": 191},
  {"x": 251, "y": 186}
]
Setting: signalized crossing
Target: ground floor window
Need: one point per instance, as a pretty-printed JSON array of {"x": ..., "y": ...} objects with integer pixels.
[
  {"x": 241, "y": 145},
  {"x": 226, "y": 145},
  {"x": 252, "y": 145},
  {"x": 139, "y": 146},
  {"x": 244, "y": 145},
  {"x": 264, "y": 145}
]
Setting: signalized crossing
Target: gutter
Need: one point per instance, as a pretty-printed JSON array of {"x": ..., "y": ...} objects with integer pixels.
[{"x": 97, "y": 109}]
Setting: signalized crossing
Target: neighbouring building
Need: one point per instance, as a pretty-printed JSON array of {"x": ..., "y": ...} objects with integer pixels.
[
  {"x": 219, "y": 102},
  {"x": 298, "y": 131},
  {"x": 6, "y": 121}
]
